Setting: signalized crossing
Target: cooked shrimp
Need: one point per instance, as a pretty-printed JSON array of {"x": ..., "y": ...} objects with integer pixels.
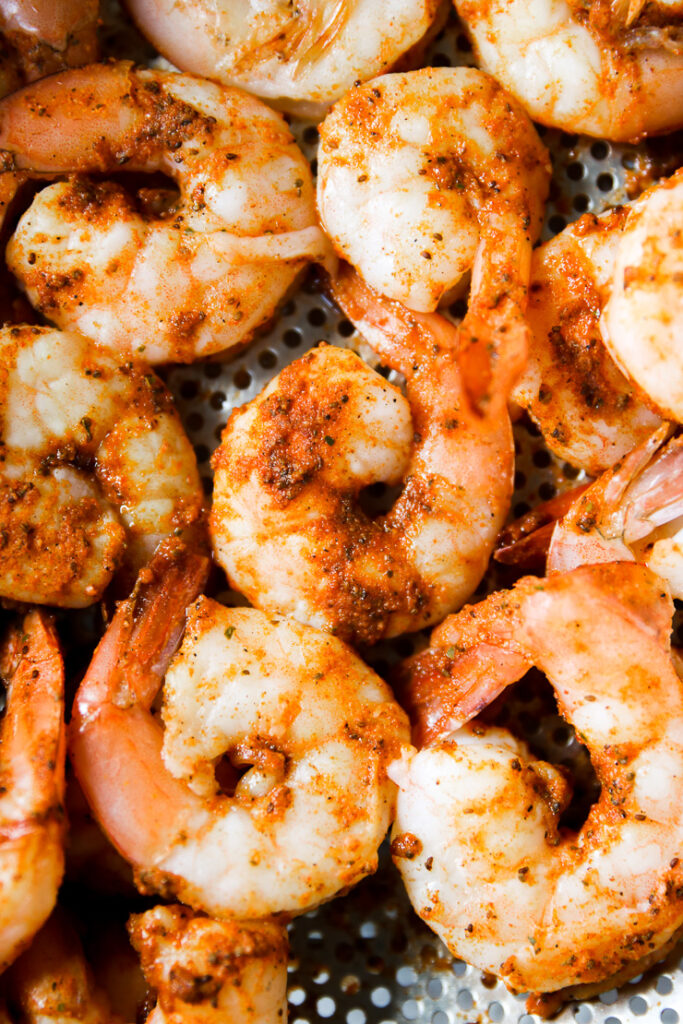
[
  {"x": 196, "y": 278},
  {"x": 585, "y": 67},
  {"x": 589, "y": 414},
  {"x": 41, "y": 38},
  {"x": 51, "y": 982},
  {"x": 286, "y": 523},
  {"x": 311, "y": 724},
  {"x": 634, "y": 512},
  {"x": 477, "y": 838},
  {"x": 423, "y": 173},
  {"x": 32, "y": 795},
  {"x": 300, "y": 57},
  {"x": 96, "y": 468},
  {"x": 642, "y": 324},
  {"x": 209, "y": 972}
]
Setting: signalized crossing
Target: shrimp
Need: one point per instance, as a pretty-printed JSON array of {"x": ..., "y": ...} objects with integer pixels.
[
  {"x": 51, "y": 982},
  {"x": 634, "y": 512},
  {"x": 207, "y": 971},
  {"x": 301, "y": 58},
  {"x": 642, "y": 324},
  {"x": 298, "y": 729},
  {"x": 96, "y": 468},
  {"x": 41, "y": 38},
  {"x": 423, "y": 173},
  {"x": 200, "y": 275},
  {"x": 589, "y": 413},
  {"x": 32, "y": 751},
  {"x": 286, "y": 523},
  {"x": 477, "y": 838},
  {"x": 585, "y": 67}
]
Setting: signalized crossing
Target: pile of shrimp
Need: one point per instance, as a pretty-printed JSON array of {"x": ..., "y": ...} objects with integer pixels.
[{"x": 215, "y": 768}]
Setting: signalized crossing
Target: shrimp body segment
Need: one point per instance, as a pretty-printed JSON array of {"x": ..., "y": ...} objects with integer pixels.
[
  {"x": 32, "y": 752},
  {"x": 481, "y": 852},
  {"x": 419, "y": 171},
  {"x": 175, "y": 277},
  {"x": 589, "y": 413},
  {"x": 207, "y": 972},
  {"x": 286, "y": 522},
  {"x": 302, "y": 728},
  {"x": 582, "y": 67},
  {"x": 642, "y": 323},
  {"x": 96, "y": 467},
  {"x": 300, "y": 58},
  {"x": 41, "y": 38}
]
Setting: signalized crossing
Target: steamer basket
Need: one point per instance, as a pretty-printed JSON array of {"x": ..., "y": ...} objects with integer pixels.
[{"x": 366, "y": 958}]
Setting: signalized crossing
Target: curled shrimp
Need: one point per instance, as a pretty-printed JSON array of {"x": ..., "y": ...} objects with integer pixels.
[
  {"x": 300, "y": 58},
  {"x": 41, "y": 38},
  {"x": 286, "y": 523},
  {"x": 206, "y": 971},
  {"x": 477, "y": 836},
  {"x": 642, "y": 324},
  {"x": 422, "y": 174},
  {"x": 32, "y": 769},
  {"x": 196, "y": 276},
  {"x": 96, "y": 468},
  {"x": 298, "y": 729},
  {"x": 608, "y": 68},
  {"x": 589, "y": 413}
]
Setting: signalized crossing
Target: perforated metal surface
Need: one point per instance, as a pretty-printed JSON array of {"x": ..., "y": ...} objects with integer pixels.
[{"x": 366, "y": 958}]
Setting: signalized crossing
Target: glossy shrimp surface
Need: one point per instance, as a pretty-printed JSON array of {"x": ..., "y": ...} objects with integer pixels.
[
  {"x": 642, "y": 323},
  {"x": 96, "y": 467},
  {"x": 41, "y": 38},
  {"x": 477, "y": 838},
  {"x": 173, "y": 276},
  {"x": 300, "y": 57},
  {"x": 32, "y": 751},
  {"x": 286, "y": 521},
  {"x": 589, "y": 413},
  {"x": 608, "y": 68},
  {"x": 302, "y": 729},
  {"x": 208, "y": 972},
  {"x": 421, "y": 172}
]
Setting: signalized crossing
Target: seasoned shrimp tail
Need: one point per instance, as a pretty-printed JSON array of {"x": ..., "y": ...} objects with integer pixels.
[
  {"x": 32, "y": 751},
  {"x": 209, "y": 971}
]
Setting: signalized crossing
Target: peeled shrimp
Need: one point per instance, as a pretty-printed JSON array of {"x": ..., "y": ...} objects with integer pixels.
[
  {"x": 32, "y": 764},
  {"x": 96, "y": 468},
  {"x": 422, "y": 174},
  {"x": 589, "y": 413},
  {"x": 41, "y": 38},
  {"x": 476, "y": 836},
  {"x": 207, "y": 971},
  {"x": 51, "y": 982},
  {"x": 642, "y": 324},
  {"x": 173, "y": 277},
  {"x": 300, "y": 57},
  {"x": 311, "y": 724},
  {"x": 286, "y": 523},
  {"x": 607, "y": 68}
]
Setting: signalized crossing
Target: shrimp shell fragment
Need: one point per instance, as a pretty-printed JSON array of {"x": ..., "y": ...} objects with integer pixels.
[
  {"x": 301, "y": 57},
  {"x": 415, "y": 168},
  {"x": 481, "y": 853},
  {"x": 199, "y": 276}
]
